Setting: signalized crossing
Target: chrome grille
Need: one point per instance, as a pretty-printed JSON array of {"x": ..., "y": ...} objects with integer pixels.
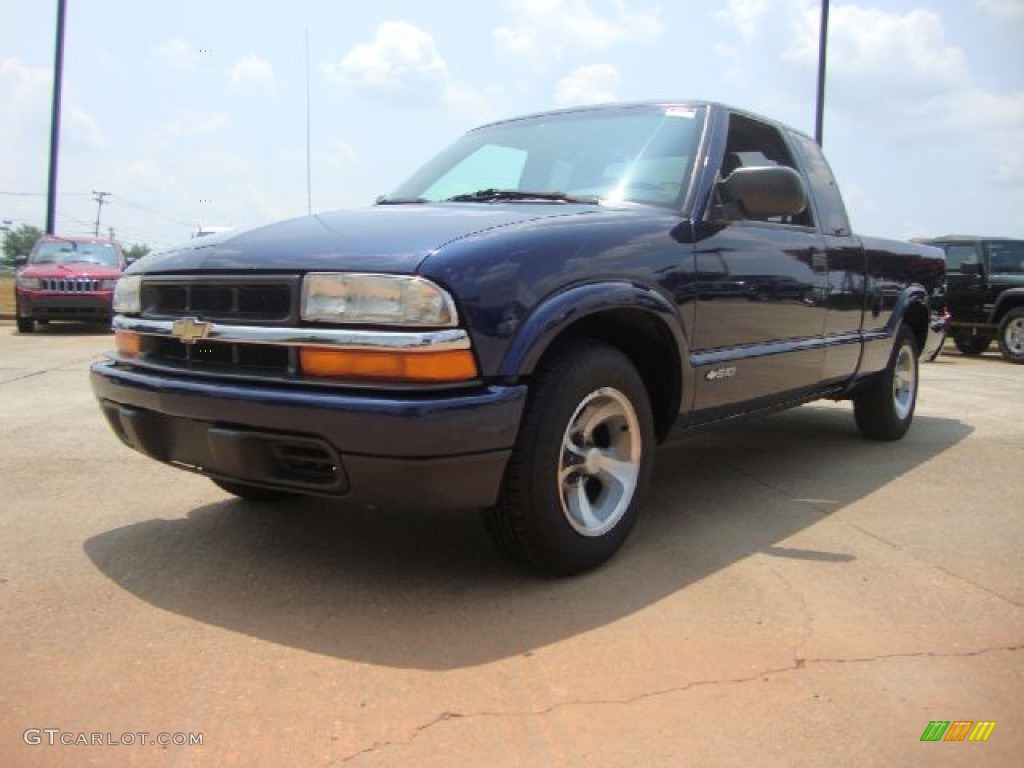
[
  {"x": 222, "y": 298},
  {"x": 70, "y": 284},
  {"x": 232, "y": 299}
]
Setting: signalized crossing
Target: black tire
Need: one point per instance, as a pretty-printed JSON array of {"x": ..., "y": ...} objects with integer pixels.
[
  {"x": 972, "y": 345},
  {"x": 1011, "y": 336},
  {"x": 254, "y": 493},
  {"x": 884, "y": 406},
  {"x": 583, "y": 459},
  {"x": 25, "y": 324}
]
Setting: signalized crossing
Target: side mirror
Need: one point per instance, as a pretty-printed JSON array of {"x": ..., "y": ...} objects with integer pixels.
[
  {"x": 972, "y": 268},
  {"x": 764, "y": 191}
]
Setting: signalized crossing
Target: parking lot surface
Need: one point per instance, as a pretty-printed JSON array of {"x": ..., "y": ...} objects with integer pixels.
[{"x": 793, "y": 595}]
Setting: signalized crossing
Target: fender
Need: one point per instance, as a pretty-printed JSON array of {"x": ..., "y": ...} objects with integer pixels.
[
  {"x": 878, "y": 343},
  {"x": 559, "y": 311},
  {"x": 1009, "y": 298}
]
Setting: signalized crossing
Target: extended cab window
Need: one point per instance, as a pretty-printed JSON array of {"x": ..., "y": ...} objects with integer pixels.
[{"x": 752, "y": 143}]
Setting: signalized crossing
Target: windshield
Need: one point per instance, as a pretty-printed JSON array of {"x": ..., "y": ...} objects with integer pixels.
[
  {"x": 71, "y": 252},
  {"x": 640, "y": 155}
]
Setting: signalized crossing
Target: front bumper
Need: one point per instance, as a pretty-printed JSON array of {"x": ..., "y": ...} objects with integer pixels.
[
  {"x": 65, "y": 306},
  {"x": 429, "y": 450}
]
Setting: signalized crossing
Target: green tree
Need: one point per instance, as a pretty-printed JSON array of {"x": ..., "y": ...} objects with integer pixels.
[
  {"x": 20, "y": 241},
  {"x": 136, "y": 251}
]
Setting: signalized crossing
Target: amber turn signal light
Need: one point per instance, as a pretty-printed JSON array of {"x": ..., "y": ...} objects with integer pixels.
[
  {"x": 447, "y": 366},
  {"x": 127, "y": 344}
]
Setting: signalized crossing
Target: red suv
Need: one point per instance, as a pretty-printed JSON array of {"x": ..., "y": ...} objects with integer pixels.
[{"x": 67, "y": 278}]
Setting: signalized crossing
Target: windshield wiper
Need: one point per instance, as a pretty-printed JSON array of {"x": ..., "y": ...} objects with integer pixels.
[
  {"x": 489, "y": 195},
  {"x": 385, "y": 200}
]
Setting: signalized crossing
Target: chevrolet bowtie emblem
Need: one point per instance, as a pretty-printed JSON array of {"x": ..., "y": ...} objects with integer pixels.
[{"x": 190, "y": 329}]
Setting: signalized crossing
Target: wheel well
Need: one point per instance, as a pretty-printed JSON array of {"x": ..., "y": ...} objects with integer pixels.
[
  {"x": 1005, "y": 304},
  {"x": 649, "y": 346},
  {"x": 917, "y": 317}
]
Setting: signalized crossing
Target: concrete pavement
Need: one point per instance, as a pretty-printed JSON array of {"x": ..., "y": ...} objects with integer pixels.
[{"x": 792, "y": 596}]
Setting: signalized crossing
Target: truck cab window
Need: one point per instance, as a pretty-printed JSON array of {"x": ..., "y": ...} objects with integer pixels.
[{"x": 750, "y": 144}]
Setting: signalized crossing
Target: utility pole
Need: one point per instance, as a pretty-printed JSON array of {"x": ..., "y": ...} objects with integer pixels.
[
  {"x": 819, "y": 116},
  {"x": 98, "y": 197},
  {"x": 58, "y": 73}
]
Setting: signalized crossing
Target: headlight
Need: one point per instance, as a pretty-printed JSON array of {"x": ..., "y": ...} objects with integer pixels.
[
  {"x": 388, "y": 299},
  {"x": 128, "y": 295},
  {"x": 27, "y": 283},
  {"x": 108, "y": 285}
]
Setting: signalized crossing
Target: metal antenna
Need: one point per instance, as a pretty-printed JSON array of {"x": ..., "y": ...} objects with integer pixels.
[{"x": 309, "y": 179}]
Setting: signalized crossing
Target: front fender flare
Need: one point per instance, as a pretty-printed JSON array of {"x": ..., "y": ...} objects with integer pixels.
[
  {"x": 562, "y": 310},
  {"x": 1009, "y": 298}
]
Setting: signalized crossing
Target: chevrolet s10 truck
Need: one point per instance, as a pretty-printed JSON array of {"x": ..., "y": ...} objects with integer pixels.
[{"x": 518, "y": 325}]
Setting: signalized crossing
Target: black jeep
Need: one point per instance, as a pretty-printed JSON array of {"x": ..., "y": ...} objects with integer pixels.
[{"x": 985, "y": 293}]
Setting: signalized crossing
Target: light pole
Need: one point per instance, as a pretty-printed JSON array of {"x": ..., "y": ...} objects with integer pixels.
[
  {"x": 58, "y": 73},
  {"x": 819, "y": 115}
]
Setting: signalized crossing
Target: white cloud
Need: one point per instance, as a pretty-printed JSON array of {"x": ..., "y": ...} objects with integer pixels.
[
  {"x": 83, "y": 129},
  {"x": 24, "y": 135},
  {"x": 544, "y": 29},
  {"x": 591, "y": 84},
  {"x": 177, "y": 54},
  {"x": 251, "y": 71},
  {"x": 1009, "y": 10},
  {"x": 400, "y": 56},
  {"x": 908, "y": 49},
  {"x": 744, "y": 15},
  {"x": 22, "y": 88},
  {"x": 341, "y": 155},
  {"x": 188, "y": 126},
  {"x": 997, "y": 120},
  {"x": 402, "y": 61}
]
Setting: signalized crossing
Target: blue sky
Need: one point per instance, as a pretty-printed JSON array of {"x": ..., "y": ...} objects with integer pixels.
[{"x": 195, "y": 112}]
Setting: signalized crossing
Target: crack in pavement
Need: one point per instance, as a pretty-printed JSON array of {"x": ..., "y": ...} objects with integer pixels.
[
  {"x": 72, "y": 367},
  {"x": 798, "y": 664}
]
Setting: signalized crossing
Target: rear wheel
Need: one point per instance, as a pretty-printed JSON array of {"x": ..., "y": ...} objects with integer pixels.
[
  {"x": 884, "y": 407},
  {"x": 972, "y": 345},
  {"x": 252, "y": 492},
  {"x": 573, "y": 486},
  {"x": 1011, "y": 336}
]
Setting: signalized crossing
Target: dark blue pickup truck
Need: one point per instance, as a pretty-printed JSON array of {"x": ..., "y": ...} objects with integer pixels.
[{"x": 519, "y": 324}]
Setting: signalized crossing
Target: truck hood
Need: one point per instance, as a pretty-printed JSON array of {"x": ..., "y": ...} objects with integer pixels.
[
  {"x": 385, "y": 238},
  {"x": 71, "y": 269}
]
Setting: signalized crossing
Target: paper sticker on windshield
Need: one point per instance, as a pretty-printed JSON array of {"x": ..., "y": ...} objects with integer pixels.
[{"x": 680, "y": 112}]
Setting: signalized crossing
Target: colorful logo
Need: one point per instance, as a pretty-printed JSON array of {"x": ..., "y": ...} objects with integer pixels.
[{"x": 958, "y": 730}]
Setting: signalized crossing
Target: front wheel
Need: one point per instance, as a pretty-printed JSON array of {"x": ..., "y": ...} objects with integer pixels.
[
  {"x": 572, "y": 490},
  {"x": 1011, "y": 336},
  {"x": 972, "y": 345},
  {"x": 25, "y": 324},
  {"x": 884, "y": 408}
]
